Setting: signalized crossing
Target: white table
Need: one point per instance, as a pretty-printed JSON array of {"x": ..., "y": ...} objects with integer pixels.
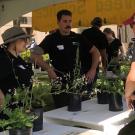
[
  {"x": 92, "y": 116},
  {"x": 52, "y": 129}
]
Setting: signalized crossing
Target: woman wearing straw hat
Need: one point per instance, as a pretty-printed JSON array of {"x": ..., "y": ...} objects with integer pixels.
[{"x": 14, "y": 71}]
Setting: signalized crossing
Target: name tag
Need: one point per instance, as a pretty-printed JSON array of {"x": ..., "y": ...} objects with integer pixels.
[
  {"x": 22, "y": 67},
  {"x": 76, "y": 43},
  {"x": 60, "y": 47}
]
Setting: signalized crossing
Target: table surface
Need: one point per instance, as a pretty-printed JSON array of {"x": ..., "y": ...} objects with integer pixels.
[
  {"x": 92, "y": 115},
  {"x": 52, "y": 129}
]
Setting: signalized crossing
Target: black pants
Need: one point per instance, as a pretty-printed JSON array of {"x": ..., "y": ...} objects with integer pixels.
[{"x": 128, "y": 129}]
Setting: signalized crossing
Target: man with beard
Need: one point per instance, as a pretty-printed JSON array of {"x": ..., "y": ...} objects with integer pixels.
[{"x": 62, "y": 46}]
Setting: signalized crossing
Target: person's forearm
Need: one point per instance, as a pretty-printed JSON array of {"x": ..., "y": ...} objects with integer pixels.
[
  {"x": 104, "y": 59},
  {"x": 130, "y": 82},
  {"x": 38, "y": 60},
  {"x": 95, "y": 58},
  {"x": 104, "y": 63},
  {"x": 129, "y": 88},
  {"x": 122, "y": 50}
]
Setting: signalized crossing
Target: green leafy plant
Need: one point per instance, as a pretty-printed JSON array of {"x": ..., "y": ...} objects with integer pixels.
[
  {"x": 26, "y": 55},
  {"x": 114, "y": 85},
  {"x": 17, "y": 119},
  {"x": 124, "y": 70},
  {"x": 125, "y": 61},
  {"x": 102, "y": 83},
  {"x": 24, "y": 97},
  {"x": 78, "y": 80},
  {"x": 17, "y": 113},
  {"x": 75, "y": 84},
  {"x": 38, "y": 94}
]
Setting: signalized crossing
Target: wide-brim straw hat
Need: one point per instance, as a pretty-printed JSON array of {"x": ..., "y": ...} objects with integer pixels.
[{"x": 14, "y": 33}]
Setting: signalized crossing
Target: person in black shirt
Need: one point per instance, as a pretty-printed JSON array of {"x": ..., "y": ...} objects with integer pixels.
[
  {"x": 114, "y": 45},
  {"x": 98, "y": 38},
  {"x": 61, "y": 47},
  {"x": 14, "y": 71}
]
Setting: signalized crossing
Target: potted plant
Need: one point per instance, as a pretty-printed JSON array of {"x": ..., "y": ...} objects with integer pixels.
[
  {"x": 101, "y": 87},
  {"x": 38, "y": 93},
  {"x": 19, "y": 121},
  {"x": 75, "y": 93},
  {"x": 75, "y": 88},
  {"x": 115, "y": 91},
  {"x": 124, "y": 71},
  {"x": 116, "y": 86}
]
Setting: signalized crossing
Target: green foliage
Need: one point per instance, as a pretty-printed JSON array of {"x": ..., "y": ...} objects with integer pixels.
[
  {"x": 74, "y": 84},
  {"x": 102, "y": 84},
  {"x": 115, "y": 85},
  {"x": 78, "y": 80},
  {"x": 125, "y": 62},
  {"x": 38, "y": 94},
  {"x": 77, "y": 85},
  {"x": 46, "y": 57},
  {"x": 26, "y": 55},
  {"x": 18, "y": 117},
  {"x": 125, "y": 69}
]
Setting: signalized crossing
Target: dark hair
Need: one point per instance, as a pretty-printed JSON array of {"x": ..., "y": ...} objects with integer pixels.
[
  {"x": 97, "y": 21},
  {"x": 63, "y": 12},
  {"x": 109, "y": 31}
]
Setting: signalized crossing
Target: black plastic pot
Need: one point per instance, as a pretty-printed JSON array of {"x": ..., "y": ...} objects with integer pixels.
[
  {"x": 115, "y": 102},
  {"x": 74, "y": 103},
  {"x": 26, "y": 131},
  {"x": 102, "y": 97},
  {"x": 38, "y": 123}
]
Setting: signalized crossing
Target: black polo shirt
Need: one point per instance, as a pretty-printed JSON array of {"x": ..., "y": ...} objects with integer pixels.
[
  {"x": 62, "y": 50},
  {"x": 113, "y": 49},
  {"x": 14, "y": 72},
  {"x": 97, "y": 37}
]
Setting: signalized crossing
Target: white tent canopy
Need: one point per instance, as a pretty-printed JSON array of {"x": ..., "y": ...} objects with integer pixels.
[{"x": 11, "y": 9}]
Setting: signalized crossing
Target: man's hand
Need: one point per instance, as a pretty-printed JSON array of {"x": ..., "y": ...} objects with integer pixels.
[
  {"x": 90, "y": 75},
  {"x": 129, "y": 99},
  {"x": 51, "y": 74}
]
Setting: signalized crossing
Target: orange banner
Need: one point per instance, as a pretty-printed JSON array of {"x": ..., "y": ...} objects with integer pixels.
[{"x": 112, "y": 12}]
